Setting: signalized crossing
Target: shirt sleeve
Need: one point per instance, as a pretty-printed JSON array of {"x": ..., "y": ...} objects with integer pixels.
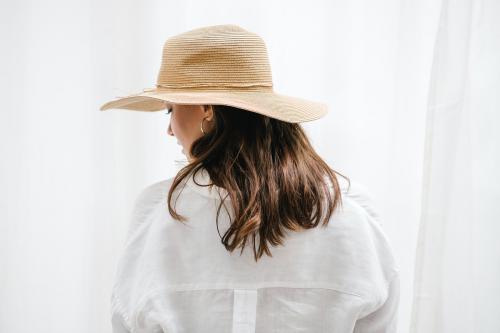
[
  {"x": 118, "y": 325},
  {"x": 118, "y": 317},
  {"x": 384, "y": 319},
  {"x": 143, "y": 204}
]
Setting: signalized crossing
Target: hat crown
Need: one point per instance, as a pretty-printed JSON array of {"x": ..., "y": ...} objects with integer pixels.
[{"x": 215, "y": 57}]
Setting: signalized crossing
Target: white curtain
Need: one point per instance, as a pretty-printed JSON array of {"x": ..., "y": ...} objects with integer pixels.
[
  {"x": 406, "y": 82},
  {"x": 457, "y": 275}
]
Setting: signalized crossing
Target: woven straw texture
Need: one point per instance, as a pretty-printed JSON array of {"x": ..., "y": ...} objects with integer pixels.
[{"x": 219, "y": 65}]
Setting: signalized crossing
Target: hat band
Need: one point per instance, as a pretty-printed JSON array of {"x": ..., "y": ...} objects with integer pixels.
[{"x": 220, "y": 86}]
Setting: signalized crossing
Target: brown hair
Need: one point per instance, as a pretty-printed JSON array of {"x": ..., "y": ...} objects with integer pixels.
[{"x": 273, "y": 177}]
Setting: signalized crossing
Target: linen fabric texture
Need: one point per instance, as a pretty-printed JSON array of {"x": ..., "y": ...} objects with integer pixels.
[{"x": 179, "y": 278}]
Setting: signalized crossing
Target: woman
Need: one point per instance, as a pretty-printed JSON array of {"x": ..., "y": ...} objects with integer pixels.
[{"x": 310, "y": 254}]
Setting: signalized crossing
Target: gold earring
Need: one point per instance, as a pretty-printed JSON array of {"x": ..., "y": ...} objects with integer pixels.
[{"x": 201, "y": 126}]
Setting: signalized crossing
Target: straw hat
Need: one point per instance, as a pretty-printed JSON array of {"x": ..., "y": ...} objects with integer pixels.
[{"x": 221, "y": 64}]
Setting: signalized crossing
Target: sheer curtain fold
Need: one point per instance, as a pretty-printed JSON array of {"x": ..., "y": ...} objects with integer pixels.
[{"x": 458, "y": 260}]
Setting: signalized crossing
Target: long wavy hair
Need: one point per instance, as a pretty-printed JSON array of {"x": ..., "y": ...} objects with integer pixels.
[{"x": 271, "y": 173}]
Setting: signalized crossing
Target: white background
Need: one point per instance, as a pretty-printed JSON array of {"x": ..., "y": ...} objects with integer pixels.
[{"x": 412, "y": 89}]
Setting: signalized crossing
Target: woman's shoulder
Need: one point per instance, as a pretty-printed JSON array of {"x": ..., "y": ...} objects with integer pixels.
[
  {"x": 360, "y": 219},
  {"x": 154, "y": 190},
  {"x": 359, "y": 195},
  {"x": 145, "y": 201},
  {"x": 151, "y": 194},
  {"x": 360, "y": 209}
]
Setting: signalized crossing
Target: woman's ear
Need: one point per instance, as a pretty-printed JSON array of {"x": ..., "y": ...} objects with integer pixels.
[{"x": 209, "y": 112}]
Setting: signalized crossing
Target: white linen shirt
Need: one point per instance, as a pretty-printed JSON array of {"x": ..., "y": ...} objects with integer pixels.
[{"x": 178, "y": 278}]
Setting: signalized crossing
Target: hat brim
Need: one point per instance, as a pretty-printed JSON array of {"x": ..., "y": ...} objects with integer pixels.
[{"x": 271, "y": 104}]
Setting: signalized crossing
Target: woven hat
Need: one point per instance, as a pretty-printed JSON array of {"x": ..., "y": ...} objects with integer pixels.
[{"x": 219, "y": 65}]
